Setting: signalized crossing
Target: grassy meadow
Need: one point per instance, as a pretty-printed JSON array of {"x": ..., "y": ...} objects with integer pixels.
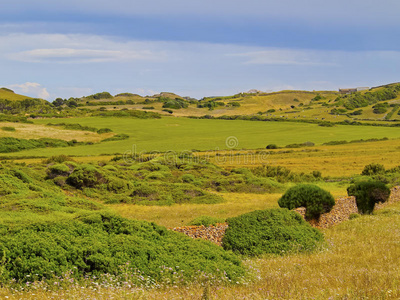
[{"x": 182, "y": 134}]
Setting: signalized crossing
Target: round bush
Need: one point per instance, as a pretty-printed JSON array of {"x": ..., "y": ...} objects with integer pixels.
[
  {"x": 276, "y": 231},
  {"x": 271, "y": 146},
  {"x": 367, "y": 194},
  {"x": 86, "y": 176},
  {"x": 373, "y": 169},
  {"x": 313, "y": 198},
  {"x": 58, "y": 170}
]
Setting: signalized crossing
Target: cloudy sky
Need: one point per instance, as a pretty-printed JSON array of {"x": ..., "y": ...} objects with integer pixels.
[{"x": 51, "y": 48}]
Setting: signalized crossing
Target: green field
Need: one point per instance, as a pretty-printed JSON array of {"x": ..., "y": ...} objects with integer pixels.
[{"x": 180, "y": 134}]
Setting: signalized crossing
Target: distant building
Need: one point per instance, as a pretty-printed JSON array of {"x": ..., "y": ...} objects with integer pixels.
[{"x": 353, "y": 90}]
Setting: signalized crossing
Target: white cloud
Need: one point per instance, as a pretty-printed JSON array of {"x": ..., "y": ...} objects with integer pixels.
[
  {"x": 70, "y": 55},
  {"x": 76, "y": 48},
  {"x": 284, "y": 57},
  {"x": 31, "y": 89}
]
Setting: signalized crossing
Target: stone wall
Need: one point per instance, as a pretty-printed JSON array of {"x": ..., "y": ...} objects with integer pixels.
[
  {"x": 342, "y": 210},
  {"x": 211, "y": 233}
]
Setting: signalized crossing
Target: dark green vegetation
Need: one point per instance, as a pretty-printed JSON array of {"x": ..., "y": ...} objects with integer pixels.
[
  {"x": 357, "y": 100},
  {"x": 159, "y": 181},
  {"x": 10, "y": 144},
  {"x": 45, "y": 232},
  {"x": 276, "y": 231},
  {"x": 76, "y": 126},
  {"x": 368, "y": 193},
  {"x": 8, "y": 128},
  {"x": 313, "y": 198}
]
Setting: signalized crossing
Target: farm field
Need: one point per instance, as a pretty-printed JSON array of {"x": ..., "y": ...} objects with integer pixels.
[{"x": 181, "y": 134}]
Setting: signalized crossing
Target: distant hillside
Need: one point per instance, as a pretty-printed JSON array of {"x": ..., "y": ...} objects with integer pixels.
[{"x": 8, "y": 94}]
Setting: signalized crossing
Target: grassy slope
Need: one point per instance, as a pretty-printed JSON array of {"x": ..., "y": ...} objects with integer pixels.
[{"x": 4, "y": 94}]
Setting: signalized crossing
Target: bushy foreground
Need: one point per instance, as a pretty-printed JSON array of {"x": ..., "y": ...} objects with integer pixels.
[
  {"x": 275, "y": 231},
  {"x": 101, "y": 243}
]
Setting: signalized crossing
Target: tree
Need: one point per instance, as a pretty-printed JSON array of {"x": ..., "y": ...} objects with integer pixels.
[{"x": 59, "y": 102}]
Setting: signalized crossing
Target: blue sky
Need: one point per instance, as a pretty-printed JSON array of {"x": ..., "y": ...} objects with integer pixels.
[{"x": 195, "y": 48}]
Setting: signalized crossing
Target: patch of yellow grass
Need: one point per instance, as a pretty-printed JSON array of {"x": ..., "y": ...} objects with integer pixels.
[
  {"x": 181, "y": 214},
  {"x": 339, "y": 160},
  {"x": 33, "y": 131}
]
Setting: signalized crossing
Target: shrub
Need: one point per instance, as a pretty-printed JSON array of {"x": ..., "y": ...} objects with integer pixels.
[
  {"x": 100, "y": 243},
  {"x": 86, "y": 176},
  {"x": 110, "y": 168},
  {"x": 188, "y": 178},
  {"x": 58, "y": 159},
  {"x": 117, "y": 137},
  {"x": 58, "y": 170},
  {"x": 271, "y": 146},
  {"x": 206, "y": 221},
  {"x": 277, "y": 231},
  {"x": 313, "y": 198},
  {"x": 373, "y": 169},
  {"x": 104, "y": 130},
  {"x": 8, "y": 128},
  {"x": 367, "y": 194}
]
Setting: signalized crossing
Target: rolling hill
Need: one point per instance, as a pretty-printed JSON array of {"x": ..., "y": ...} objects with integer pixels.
[{"x": 8, "y": 94}]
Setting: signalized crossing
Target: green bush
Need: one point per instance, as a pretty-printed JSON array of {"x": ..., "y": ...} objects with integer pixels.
[
  {"x": 313, "y": 198},
  {"x": 102, "y": 243},
  {"x": 277, "y": 231},
  {"x": 117, "y": 137},
  {"x": 86, "y": 176},
  {"x": 11, "y": 144},
  {"x": 373, "y": 169},
  {"x": 206, "y": 221},
  {"x": 271, "y": 146},
  {"x": 104, "y": 130},
  {"x": 58, "y": 170},
  {"x": 8, "y": 128},
  {"x": 367, "y": 194}
]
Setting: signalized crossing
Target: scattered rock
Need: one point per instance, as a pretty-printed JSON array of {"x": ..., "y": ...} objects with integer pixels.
[{"x": 211, "y": 233}]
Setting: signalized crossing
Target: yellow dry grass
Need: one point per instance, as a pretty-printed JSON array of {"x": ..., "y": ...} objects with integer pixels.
[
  {"x": 336, "y": 161},
  {"x": 31, "y": 131},
  {"x": 182, "y": 214}
]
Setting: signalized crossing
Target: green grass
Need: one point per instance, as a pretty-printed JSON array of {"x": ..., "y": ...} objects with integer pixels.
[
  {"x": 5, "y": 94},
  {"x": 180, "y": 134}
]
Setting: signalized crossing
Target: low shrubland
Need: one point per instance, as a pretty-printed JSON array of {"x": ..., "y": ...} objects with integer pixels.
[{"x": 45, "y": 234}]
